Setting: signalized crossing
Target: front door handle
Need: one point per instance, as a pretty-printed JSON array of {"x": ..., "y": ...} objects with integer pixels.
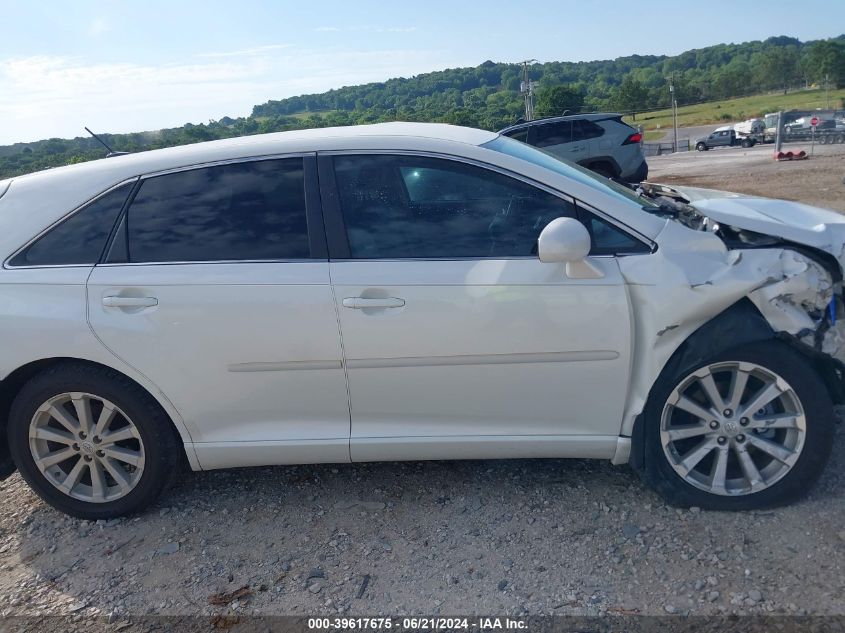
[
  {"x": 361, "y": 303},
  {"x": 129, "y": 302}
]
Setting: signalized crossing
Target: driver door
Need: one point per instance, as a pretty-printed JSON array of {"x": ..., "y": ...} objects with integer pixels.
[{"x": 458, "y": 341}]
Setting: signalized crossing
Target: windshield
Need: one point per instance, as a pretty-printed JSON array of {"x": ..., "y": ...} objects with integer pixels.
[{"x": 566, "y": 168}]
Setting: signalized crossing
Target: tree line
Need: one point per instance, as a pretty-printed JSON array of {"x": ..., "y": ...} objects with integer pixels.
[{"x": 487, "y": 96}]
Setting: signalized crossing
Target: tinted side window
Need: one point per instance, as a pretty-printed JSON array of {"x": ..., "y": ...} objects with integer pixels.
[
  {"x": 243, "y": 211},
  {"x": 419, "y": 207},
  {"x": 548, "y": 134},
  {"x": 584, "y": 130},
  {"x": 81, "y": 238},
  {"x": 610, "y": 240}
]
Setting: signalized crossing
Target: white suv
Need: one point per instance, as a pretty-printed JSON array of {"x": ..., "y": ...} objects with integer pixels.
[{"x": 407, "y": 292}]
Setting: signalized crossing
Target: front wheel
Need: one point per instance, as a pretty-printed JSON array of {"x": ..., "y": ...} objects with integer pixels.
[
  {"x": 701, "y": 147},
  {"x": 750, "y": 428},
  {"x": 91, "y": 442}
]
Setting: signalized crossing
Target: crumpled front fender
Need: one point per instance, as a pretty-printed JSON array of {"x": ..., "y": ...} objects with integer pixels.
[{"x": 693, "y": 277}]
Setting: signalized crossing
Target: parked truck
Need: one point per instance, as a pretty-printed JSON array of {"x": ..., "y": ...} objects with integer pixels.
[
  {"x": 798, "y": 127},
  {"x": 725, "y": 136}
]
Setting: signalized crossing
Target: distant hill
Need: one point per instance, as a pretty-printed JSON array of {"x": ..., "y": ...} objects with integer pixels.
[{"x": 487, "y": 95}]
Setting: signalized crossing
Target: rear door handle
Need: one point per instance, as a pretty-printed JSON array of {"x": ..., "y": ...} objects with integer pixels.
[
  {"x": 360, "y": 303},
  {"x": 129, "y": 302}
]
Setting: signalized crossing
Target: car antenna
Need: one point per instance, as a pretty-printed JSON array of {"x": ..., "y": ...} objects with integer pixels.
[{"x": 106, "y": 145}]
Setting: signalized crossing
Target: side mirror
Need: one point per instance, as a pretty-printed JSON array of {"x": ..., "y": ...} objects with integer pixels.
[{"x": 566, "y": 240}]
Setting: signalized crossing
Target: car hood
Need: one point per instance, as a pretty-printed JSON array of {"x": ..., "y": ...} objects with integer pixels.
[{"x": 793, "y": 221}]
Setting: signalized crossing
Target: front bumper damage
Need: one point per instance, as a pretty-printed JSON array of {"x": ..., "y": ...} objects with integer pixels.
[{"x": 798, "y": 290}]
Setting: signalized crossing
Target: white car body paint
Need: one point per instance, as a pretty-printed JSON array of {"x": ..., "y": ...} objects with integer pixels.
[
  {"x": 794, "y": 221},
  {"x": 287, "y": 365}
]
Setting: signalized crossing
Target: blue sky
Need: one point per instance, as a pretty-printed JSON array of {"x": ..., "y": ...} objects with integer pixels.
[{"x": 131, "y": 66}]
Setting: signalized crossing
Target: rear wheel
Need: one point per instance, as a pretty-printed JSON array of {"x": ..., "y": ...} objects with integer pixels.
[
  {"x": 90, "y": 442},
  {"x": 750, "y": 428}
]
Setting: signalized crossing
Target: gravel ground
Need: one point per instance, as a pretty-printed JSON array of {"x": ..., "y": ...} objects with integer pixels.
[
  {"x": 504, "y": 537},
  {"x": 817, "y": 180}
]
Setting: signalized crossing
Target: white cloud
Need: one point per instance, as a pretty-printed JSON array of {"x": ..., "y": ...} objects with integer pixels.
[
  {"x": 98, "y": 26},
  {"x": 48, "y": 96}
]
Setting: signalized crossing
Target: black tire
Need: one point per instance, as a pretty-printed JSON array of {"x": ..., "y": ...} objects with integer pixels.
[
  {"x": 746, "y": 143},
  {"x": 701, "y": 147},
  {"x": 159, "y": 439},
  {"x": 818, "y": 410}
]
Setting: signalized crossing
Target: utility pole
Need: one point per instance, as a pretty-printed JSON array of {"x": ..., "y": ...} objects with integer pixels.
[
  {"x": 674, "y": 112},
  {"x": 779, "y": 136},
  {"x": 526, "y": 89},
  {"x": 827, "y": 91}
]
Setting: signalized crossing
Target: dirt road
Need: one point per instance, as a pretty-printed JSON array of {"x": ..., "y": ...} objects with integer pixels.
[{"x": 817, "y": 180}]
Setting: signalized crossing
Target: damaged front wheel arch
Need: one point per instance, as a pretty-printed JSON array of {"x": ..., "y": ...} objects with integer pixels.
[{"x": 738, "y": 325}]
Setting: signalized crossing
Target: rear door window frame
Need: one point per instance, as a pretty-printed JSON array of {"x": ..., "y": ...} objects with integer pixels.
[{"x": 313, "y": 214}]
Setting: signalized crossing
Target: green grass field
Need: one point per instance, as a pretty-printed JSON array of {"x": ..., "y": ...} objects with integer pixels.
[{"x": 734, "y": 110}]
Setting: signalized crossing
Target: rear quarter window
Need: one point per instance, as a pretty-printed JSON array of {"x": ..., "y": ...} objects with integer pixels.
[{"x": 79, "y": 239}]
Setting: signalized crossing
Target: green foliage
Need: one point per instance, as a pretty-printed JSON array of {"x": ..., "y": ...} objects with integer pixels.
[
  {"x": 487, "y": 96},
  {"x": 555, "y": 100},
  {"x": 631, "y": 96},
  {"x": 740, "y": 108}
]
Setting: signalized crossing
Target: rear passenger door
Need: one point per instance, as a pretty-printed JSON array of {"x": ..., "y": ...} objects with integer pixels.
[
  {"x": 216, "y": 287},
  {"x": 587, "y": 134},
  {"x": 557, "y": 138}
]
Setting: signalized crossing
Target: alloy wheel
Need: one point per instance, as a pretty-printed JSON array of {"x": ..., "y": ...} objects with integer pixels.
[
  {"x": 732, "y": 428},
  {"x": 86, "y": 447}
]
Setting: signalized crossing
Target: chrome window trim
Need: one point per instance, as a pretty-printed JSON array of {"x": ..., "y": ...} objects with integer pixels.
[
  {"x": 456, "y": 259},
  {"x": 67, "y": 216},
  {"x": 650, "y": 244},
  {"x": 215, "y": 262},
  {"x": 144, "y": 176},
  {"x": 217, "y": 163},
  {"x": 225, "y": 161}
]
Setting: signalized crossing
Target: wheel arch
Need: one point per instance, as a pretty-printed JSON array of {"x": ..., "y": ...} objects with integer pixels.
[
  {"x": 12, "y": 383},
  {"x": 740, "y": 324},
  {"x": 608, "y": 162}
]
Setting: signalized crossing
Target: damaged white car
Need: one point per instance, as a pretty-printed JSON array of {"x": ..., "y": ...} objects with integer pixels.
[{"x": 408, "y": 292}]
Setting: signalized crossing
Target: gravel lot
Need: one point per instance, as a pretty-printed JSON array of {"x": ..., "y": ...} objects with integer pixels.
[
  {"x": 497, "y": 537},
  {"x": 503, "y": 537},
  {"x": 817, "y": 180}
]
